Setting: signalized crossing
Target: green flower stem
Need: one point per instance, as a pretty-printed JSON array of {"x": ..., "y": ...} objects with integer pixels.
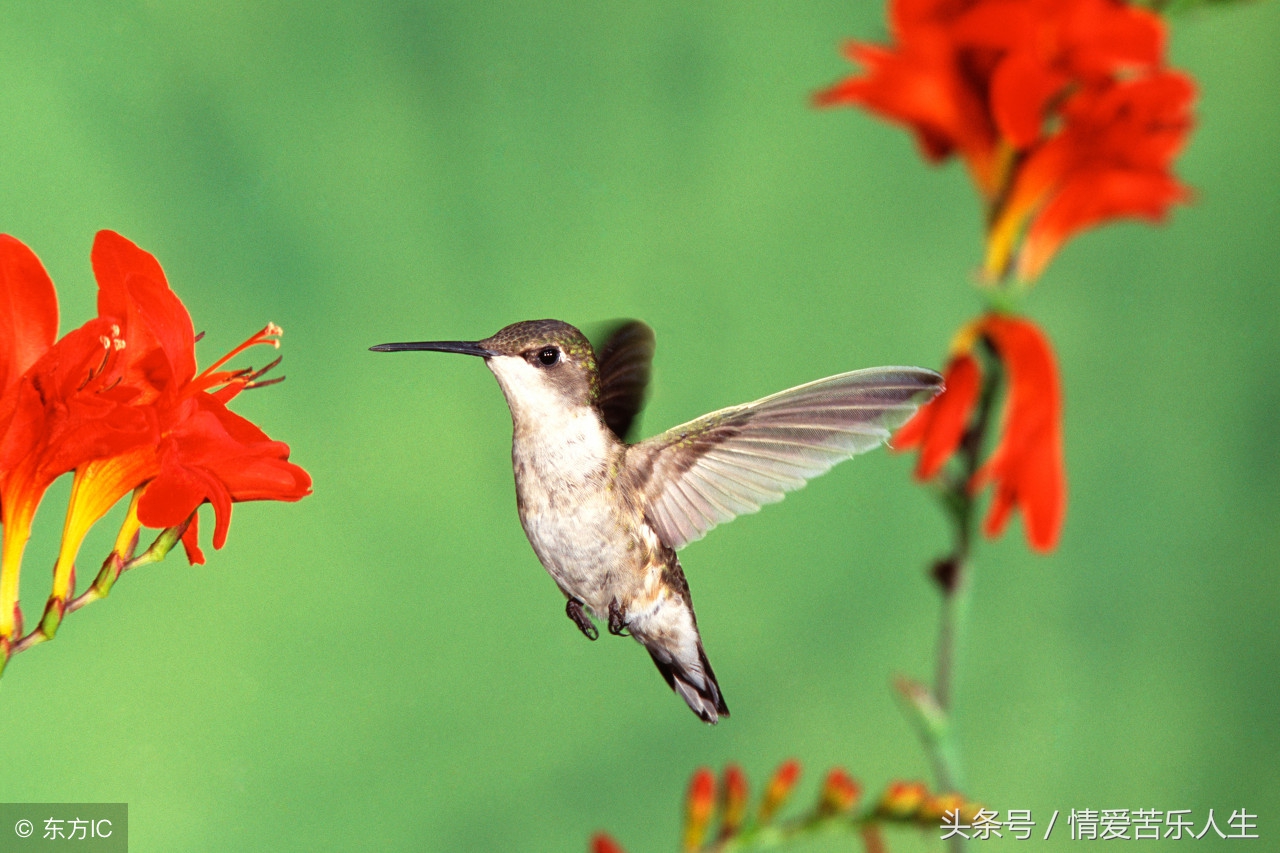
[
  {"x": 930, "y": 709},
  {"x": 119, "y": 561},
  {"x": 160, "y": 548},
  {"x": 933, "y": 724},
  {"x": 771, "y": 836}
]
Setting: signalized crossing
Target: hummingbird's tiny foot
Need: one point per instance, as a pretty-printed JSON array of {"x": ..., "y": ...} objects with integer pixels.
[
  {"x": 616, "y": 626},
  {"x": 573, "y": 608}
]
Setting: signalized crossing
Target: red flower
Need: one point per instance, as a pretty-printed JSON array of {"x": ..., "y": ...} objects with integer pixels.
[
  {"x": 901, "y": 800},
  {"x": 118, "y": 402},
  {"x": 1111, "y": 159},
  {"x": 1061, "y": 109},
  {"x": 924, "y": 82},
  {"x": 57, "y": 409},
  {"x": 1026, "y": 468},
  {"x": 205, "y": 452}
]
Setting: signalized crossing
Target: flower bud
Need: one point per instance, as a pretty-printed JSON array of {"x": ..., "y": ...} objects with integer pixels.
[
  {"x": 839, "y": 793},
  {"x": 784, "y": 779},
  {"x": 699, "y": 807},
  {"x": 902, "y": 800},
  {"x": 733, "y": 800},
  {"x": 601, "y": 843}
]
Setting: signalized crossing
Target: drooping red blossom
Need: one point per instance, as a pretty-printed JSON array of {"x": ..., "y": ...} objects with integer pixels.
[
  {"x": 1026, "y": 467},
  {"x": 1062, "y": 110}
]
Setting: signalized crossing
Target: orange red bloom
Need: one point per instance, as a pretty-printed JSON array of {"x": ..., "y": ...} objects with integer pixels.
[
  {"x": 119, "y": 403},
  {"x": 1026, "y": 467},
  {"x": 1062, "y": 110}
]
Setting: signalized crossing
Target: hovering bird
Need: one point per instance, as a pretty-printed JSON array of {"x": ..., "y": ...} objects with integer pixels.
[{"x": 606, "y": 517}]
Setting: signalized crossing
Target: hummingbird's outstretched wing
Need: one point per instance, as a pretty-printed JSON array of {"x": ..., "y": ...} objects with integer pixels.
[
  {"x": 734, "y": 461},
  {"x": 624, "y": 375}
]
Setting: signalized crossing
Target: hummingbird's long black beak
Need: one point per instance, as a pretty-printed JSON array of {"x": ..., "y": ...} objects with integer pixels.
[{"x": 464, "y": 347}]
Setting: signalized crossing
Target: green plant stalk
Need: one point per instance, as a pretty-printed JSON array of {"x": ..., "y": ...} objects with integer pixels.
[
  {"x": 117, "y": 563},
  {"x": 815, "y": 824},
  {"x": 930, "y": 709}
]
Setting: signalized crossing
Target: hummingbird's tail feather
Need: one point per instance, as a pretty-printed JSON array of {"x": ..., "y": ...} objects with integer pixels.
[
  {"x": 693, "y": 680},
  {"x": 664, "y": 623}
]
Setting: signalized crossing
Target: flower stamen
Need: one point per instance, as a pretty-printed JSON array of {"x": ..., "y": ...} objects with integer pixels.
[{"x": 245, "y": 377}]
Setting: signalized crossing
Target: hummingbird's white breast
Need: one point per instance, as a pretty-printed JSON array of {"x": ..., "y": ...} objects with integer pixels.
[{"x": 565, "y": 462}]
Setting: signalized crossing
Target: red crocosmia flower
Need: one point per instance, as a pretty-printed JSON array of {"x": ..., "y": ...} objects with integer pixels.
[
  {"x": 1026, "y": 467},
  {"x": 28, "y": 327},
  {"x": 1061, "y": 109},
  {"x": 1111, "y": 159},
  {"x": 118, "y": 401},
  {"x": 56, "y": 416},
  {"x": 778, "y": 790},
  {"x": 204, "y": 452},
  {"x": 1043, "y": 48},
  {"x": 733, "y": 800},
  {"x": 699, "y": 805}
]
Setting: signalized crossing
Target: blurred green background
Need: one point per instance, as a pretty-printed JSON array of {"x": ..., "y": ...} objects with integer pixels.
[{"x": 386, "y": 666}]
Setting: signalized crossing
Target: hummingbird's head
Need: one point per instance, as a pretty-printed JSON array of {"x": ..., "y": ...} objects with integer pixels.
[{"x": 543, "y": 366}]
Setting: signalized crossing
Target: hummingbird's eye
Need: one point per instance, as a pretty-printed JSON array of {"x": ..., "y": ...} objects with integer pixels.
[{"x": 549, "y": 356}]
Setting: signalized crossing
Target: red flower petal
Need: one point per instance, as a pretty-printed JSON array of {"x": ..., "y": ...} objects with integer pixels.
[
  {"x": 28, "y": 310},
  {"x": 191, "y": 542},
  {"x": 155, "y": 326},
  {"x": 925, "y": 83},
  {"x": 939, "y": 425},
  {"x": 217, "y": 456},
  {"x": 1022, "y": 89}
]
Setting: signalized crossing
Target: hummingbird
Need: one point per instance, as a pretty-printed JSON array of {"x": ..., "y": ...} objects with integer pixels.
[{"x": 606, "y": 516}]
